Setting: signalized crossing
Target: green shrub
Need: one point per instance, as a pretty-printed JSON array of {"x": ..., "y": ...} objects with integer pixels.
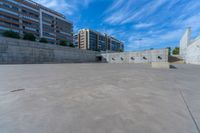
[
  {"x": 169, "y": 51},
  {"x": 63, "y": 43},
  {"x": 43, "y": 40},
  {"x": 29, "y": 36},
  {"x": 120, "y": 50},
  {"x": 11, "y": 34},
  {"x": 71, "y": 45},
  {"x": 176, "y": 51}
]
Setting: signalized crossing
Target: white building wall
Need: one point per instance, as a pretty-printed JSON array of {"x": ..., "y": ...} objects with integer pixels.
[
  {"x": 193, "y": 53},
  {"x": 185, "y": 42},
  {"x": 190, "y": 49}
]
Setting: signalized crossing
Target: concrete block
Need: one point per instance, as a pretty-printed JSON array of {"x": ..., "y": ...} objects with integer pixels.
[{"x": 164, "y": 65}]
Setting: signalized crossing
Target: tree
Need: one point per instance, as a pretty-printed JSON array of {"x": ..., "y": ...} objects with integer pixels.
[
  {"x": 176, "y": 50},
  {"x": 11, "y": 34},
  {"x": 29, "y": 36},
  {"x": 71, "y": 45},
  {"x": 169, "y": 51},
  {"x": 43, "y": 40},
  {"x": 63, "y": 43},
  {"x": 120, "y": 50}
]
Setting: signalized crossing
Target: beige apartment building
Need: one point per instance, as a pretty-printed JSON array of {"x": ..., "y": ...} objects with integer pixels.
[
  {"x": 26, "y": 16},
  {"x": 96, "y": 41}
]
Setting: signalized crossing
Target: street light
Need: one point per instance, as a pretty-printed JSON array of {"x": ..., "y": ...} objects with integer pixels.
[{"x": 139, "y": 42}]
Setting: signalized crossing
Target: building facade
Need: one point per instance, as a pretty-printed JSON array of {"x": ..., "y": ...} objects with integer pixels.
[
  {"x": 76, "y": 40},
  {"x": 96, "y": 41},
  {"x": 26, "y": 16}
]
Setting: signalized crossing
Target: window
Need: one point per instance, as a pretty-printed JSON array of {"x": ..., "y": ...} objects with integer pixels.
[
  {"x": 5, "y": 5},
  {"x": 24, "y": 11},
  {"x": 15, "y": 8}
]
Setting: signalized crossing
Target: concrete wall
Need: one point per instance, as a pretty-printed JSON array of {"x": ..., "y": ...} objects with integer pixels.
[
  {"x": 15, "y": 51},
  {"x": 190, "y": 49},
  {"x": 137, "y": 57}
]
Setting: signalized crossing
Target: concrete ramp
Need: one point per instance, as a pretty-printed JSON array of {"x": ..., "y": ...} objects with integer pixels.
[{"x": 176, "y": 59}]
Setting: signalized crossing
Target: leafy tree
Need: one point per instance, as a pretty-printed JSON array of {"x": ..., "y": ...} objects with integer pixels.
[
  {"x": 71, "y": 45},
  {"x": 120, "y": 50},
  {"x": 176, "y": 50},
  {"x": 11, "y": 34},
  {"x": 169, "y": 51},
  {"x": 29, "y": 36},
  {"x": 97, "y": 49},
  {"x": 63, "y": 43},
  {"x": 43, "y": 40}
]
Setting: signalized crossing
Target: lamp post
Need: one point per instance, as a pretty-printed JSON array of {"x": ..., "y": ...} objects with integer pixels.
[{"x": 139, "y": 42}]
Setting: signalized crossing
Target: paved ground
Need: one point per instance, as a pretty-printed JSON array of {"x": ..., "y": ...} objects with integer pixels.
[{"x": 99, "y": 98}]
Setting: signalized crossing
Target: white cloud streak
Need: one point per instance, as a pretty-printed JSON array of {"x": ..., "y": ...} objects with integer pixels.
[
  {"x": 143, "y": 25},
  {"x": 128, "y": 13},
  {"x": 154, "y": 39},
  {"x": 67, "y": 7}
]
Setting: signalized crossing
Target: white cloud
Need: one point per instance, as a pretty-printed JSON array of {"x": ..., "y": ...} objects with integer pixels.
[
  {"x": 143, "y": 25},
  {"x": 119, "y": 11},
  {"x": 146, "y": 10},
  {"x": 128, "y": 13},
  {"x": 154, "y": 39},
  {"x": 61, "y": 6},
  {"x": 86, "y": 2},
  {"x": 67, "y": 7},
  {"x": 141, "y": 43},
  {"x": 171, "y": 35},
  {"x": 192, "y": 21},
  {"x": 115, "y": 5},
  {"x": 166, "y": 30}
]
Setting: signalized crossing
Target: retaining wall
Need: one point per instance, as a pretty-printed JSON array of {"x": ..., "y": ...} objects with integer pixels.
[
  {"x": 147, "y": 56},
  {"x": 15, "y": 51}
]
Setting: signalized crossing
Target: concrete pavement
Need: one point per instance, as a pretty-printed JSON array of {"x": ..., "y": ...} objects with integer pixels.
[{"x": 99, "y": 98}]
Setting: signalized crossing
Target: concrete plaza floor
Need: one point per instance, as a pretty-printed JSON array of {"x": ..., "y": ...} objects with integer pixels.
[{"x": 99, "y": 98}]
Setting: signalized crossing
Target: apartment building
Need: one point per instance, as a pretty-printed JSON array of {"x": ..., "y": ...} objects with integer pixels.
[
  {"x": 96, "y": 41},
  {"x": 76, "y": 40},
  {"x": 26, "y": 16}
]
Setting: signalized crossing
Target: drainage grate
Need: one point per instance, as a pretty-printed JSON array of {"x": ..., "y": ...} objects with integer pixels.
[{"x": 17, "y": 90}]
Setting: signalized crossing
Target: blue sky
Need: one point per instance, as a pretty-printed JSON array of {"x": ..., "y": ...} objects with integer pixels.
[{"x": 140, "y": 24}]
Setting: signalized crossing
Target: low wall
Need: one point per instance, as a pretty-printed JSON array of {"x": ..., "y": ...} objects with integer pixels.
[
  {"x": 193, "y": 53},
  {"x": 137, "y": 57},
  {"x": 15, "y": 51}
]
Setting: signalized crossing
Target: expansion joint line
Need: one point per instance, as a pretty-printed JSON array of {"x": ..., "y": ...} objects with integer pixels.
[{"x": 190, "y": 112}]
